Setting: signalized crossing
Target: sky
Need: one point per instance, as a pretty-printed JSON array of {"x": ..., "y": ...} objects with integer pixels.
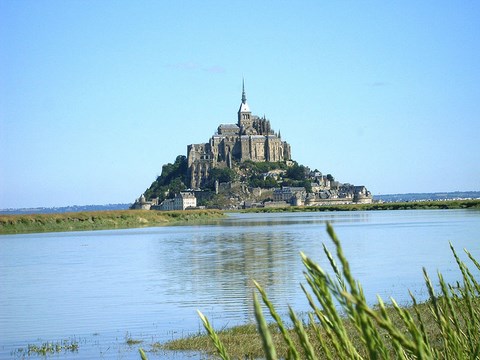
[{"x": 95, "y": 96}]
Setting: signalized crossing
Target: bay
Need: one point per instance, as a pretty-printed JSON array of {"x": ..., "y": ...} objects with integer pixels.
[{"x": 100, "y": 288}]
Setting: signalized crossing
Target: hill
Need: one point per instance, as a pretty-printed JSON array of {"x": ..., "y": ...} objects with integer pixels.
[
  {"x": 250, "y": 183},
  {"x": 243, "y": 163}
]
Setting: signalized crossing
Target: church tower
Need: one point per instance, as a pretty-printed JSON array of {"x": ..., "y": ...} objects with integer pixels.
[{"x": 245, "y": 120}]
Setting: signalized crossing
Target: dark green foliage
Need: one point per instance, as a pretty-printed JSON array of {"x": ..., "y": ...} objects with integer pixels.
[
  {"x": 297, "y": 172},
  {"x": 262, "y": 167},
  {"x": 295, "y": 175},
  {"x": 308, "y": 186},
  {"x": 298, "y": 183},
  {"x": 261, "y": 182},
  {"x": 171, "y": 181},
  {"x": 175, "y": 186},
  {"x": 222, "y": 175}
]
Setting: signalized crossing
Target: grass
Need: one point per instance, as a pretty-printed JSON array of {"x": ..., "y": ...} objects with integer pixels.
[
  {"x": 131, "y": 341},
  {"x": 49, "y": 348},
  {"x": 341, "y": 325},
  {"x": 101, "y": 220},
  {"x": 411, "y": 205}
]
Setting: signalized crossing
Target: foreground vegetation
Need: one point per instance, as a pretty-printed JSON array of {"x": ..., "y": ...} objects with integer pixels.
[
  {"x": 342, "y": 325},
  {"x": 101, "y": 220},
  {"x": 413, "y": 205}
]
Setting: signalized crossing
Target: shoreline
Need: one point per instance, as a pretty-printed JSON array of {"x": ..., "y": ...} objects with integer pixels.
[
  {"x": 126, "y": 219},
  {"x": 407, "y": 205}
]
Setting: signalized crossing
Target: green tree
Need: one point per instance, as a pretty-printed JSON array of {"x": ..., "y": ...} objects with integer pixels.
[
  {"x": 223, "y": 175},
  {"x": 296, "y": 172},
  {"x": 172, "y": 180}
]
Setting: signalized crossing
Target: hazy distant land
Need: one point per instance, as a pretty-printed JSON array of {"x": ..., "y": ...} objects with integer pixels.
[
  {"x": 456, "y": 195},
  {"x": 385, "y": 198},
  {"x": 64, "y": 209}
]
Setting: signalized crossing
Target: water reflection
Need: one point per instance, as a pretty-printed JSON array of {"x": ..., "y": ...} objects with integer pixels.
[
  {"x": 272, "y": 219},
  {"x": 216, "y": 268},
  {"x": 149, "y": 282}
]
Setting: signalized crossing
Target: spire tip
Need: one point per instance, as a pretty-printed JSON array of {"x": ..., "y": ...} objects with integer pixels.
[{"x": 244, "y": 97}]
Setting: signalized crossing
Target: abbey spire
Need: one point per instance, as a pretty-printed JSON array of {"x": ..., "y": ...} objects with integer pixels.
[
  {"x": 244, "y": 113},
  {"x": 244, "y": 97}
]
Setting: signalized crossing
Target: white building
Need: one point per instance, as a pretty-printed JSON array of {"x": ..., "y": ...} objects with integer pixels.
[{"x": 182, "y": 201}]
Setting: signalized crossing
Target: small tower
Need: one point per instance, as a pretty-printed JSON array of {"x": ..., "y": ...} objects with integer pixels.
[{"x": 244, "y": 114}]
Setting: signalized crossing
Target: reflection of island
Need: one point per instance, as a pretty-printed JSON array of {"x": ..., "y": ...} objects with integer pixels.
[
  {"x": 268, "y": 258},
  {"x": 221, "y": 266},
  {"x": 211, "y": 267},
  {"x": 292, "y": 218}
]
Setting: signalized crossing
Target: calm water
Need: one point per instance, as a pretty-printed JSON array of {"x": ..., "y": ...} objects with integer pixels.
[{"x": 98, "y": 288}]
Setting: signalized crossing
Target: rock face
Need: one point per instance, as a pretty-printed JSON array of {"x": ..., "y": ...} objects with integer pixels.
[{"x": 251, "y": 138}]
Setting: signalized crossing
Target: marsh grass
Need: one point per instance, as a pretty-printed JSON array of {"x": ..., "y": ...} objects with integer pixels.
[
  {"x": 130, "y": 341},
  {"x": 49, "y": 348},
  {"x": 101, "y": 220},
  {"x": 341, "y": 325}
]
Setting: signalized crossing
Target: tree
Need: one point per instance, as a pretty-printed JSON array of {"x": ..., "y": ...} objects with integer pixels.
[
  {"x": 175, "y": 187},
  {"x": 221, "y": 175},
  {"x": 296, "y": 172},
  {"x": 172, "y": 180}
]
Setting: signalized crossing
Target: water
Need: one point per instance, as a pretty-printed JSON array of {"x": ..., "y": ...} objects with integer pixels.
[{"x": 101, "y": 287}]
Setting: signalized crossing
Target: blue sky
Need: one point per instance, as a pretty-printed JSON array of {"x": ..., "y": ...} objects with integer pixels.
[{"x": 95, "y": 96}]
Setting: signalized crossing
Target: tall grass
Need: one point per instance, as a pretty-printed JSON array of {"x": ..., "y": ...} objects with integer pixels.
[
  {"x": 99, "y": 220},
  {"x": 448, "y": 330}
]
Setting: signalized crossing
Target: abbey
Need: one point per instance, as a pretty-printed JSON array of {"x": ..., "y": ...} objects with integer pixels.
[{"x": 251, "y": 138}]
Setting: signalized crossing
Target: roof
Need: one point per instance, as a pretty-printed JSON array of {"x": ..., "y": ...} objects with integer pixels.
[
  {"x": 244, "y": 107},
  {"x": 229, "y": 126}
]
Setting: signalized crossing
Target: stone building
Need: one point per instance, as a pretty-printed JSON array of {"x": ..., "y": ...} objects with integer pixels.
[
  {"x": 290, "y": 194},
  {"x": 182, "y": 201},
  {"x": 251, "y": 138},
  {"x": 142, "y": 204}
]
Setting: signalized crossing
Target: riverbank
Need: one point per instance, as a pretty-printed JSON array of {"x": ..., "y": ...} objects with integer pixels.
[
  {"x": 124, "y": 219},
  {"x": 413, "y": 205},
  {"x": 102, "y": 220}
]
